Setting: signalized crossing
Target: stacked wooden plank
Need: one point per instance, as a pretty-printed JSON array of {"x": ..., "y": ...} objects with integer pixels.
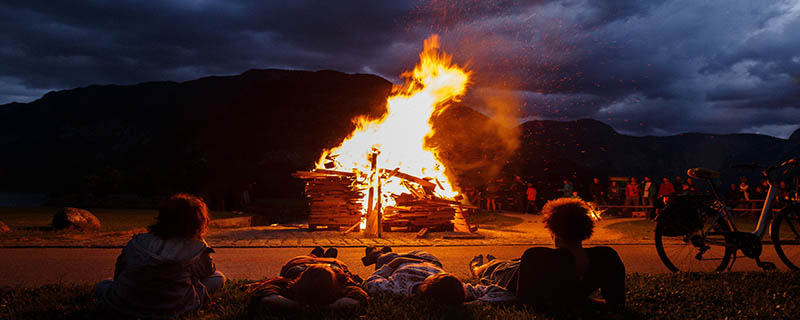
[
  {"x": 422, "y": 214},
  {"x": 335, "y": 200}
]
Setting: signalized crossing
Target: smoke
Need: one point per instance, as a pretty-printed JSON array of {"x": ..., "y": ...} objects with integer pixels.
[{"x": 478, "y": 136}]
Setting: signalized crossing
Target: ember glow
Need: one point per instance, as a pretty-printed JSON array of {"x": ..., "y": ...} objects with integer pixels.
[{"x": 399, "y": 136}]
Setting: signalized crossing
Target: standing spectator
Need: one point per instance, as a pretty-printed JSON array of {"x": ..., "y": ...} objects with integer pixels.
[
  {"x": 631, "y": 194},
  {"x": 530, "y": 194},
  {"x": 689, "y": 188},
  {"x": 783, "y": 191},
  {"x": 765, "y": 186},
  {"x": 469, "y": 192},
  {"x": 492, "y": 193},
  {"x": 744, "y": 188},
  {"x": 480, "y": 195},
  {"x": 678, "y": 183},
  {"x": 758, "y": 193},
  {"x": 666, "y": 188},
  {"x": 614, "y": 193},
  {"x": 597, "y": 191},
  {"x": 518, "y": 189},
  {"x": 648, "y": 192},
  {"x": 733, "y": 195},
  {"x": 566, "y": 189}
]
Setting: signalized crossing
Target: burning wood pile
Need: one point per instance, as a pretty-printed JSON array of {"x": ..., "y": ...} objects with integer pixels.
[
  {"x": 420, "y": 207},
  {"x": 398, "y": 197},
  {"x": 336, "y": 201}
]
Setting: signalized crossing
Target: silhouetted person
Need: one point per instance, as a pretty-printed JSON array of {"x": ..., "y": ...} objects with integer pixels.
[
  {"x": 614, "y": 193},
  {"x": 666, "y": 188},
  {"x": 518, "y": 188},
  {"x": 597, "y": 191},
  {"x": 567, "y": 188},
  {"x": 744, "y": 188},
  {"x": 530, "y": 195},
  {"x": 563, "y": 277},
  {"x": 167, "y": 271},
  {"x": 733, "y": 196},
  {"x": 648, "y": 191},
  {"x": 631, "y": 194}
]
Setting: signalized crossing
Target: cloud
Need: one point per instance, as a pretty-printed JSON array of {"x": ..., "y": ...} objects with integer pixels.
[
  {"x": 645, "y": 67},
  {"x": 64, "y": 45}
]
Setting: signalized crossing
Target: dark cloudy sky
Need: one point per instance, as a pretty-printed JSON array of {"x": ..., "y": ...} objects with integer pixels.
[{"x": 645, "y": 67}]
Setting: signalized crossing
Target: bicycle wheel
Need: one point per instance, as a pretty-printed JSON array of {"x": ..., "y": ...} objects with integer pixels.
[
  {"x": 785, "y": 233},
  {"x": 681, "y": 246}
]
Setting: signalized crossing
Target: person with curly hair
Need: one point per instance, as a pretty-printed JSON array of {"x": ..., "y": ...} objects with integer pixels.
[
  {"x": 563, "y": 277},
  {"x": 168, "y": 270}
]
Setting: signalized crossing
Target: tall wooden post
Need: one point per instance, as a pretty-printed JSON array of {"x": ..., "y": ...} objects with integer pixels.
[
  {"x": 373, "y": 203},
  {"x": 378, "y": 207}
]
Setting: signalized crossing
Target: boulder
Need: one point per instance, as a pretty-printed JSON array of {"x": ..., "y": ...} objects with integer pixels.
[
  {"x": 76, "y": 219},
  {"x": 4, "y": 227}
]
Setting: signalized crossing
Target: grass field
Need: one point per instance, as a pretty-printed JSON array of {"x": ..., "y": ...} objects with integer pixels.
[
  {"x": 489, "y": 220},
  {"x": 644, "y": 229},
  {"x": 765, "y": 295},
  {"x": 35, "y": 221}
]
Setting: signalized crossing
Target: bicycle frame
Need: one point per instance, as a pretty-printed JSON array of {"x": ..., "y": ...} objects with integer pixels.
[
  {"x": 725, "y": 212},
  {"x": 713, "y": 231}
]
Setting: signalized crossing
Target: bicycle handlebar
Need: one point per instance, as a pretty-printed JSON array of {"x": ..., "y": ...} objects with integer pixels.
[{"x": 790, "y": 162}]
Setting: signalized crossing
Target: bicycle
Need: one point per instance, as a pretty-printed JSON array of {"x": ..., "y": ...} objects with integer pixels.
[{"x": 701, "y": 236}]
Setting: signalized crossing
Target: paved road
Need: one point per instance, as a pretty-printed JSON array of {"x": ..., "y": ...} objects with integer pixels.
[{"x": 31, "y": 266}]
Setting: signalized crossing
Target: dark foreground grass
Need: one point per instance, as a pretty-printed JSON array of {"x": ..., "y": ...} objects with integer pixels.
[{"x": 750, "y": 295}]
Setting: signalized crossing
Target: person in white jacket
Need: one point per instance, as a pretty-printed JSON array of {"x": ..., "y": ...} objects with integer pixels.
[
  {"x": 420, "y": 274},
  {"x": 167, "y": 271}
]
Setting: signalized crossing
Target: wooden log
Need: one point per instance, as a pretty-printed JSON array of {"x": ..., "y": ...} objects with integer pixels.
[
  {"x": 353, "y": 227},
  {"x": 422, "y": 233},
  {"x": 335, "y": 173},
  {"x": 406, "y": 176}
]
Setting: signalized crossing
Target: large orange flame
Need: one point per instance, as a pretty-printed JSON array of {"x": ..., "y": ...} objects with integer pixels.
[{"x": 400, "y": 134}]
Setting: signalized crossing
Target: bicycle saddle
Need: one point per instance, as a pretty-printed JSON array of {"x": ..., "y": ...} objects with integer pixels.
[{"x": 702, "y": 173}]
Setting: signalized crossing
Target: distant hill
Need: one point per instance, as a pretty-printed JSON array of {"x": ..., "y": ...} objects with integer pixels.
[
  {"x": 216, "y": 135},
  {"x": 207, "y": 135},
  {"x": 582, "y": 149}
]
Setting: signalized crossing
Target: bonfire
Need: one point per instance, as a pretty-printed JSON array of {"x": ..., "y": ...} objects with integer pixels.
[{"x": 383, "y": 175}]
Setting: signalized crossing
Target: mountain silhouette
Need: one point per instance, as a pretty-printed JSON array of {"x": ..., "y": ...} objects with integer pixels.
[{"x": 217, "y": 135}]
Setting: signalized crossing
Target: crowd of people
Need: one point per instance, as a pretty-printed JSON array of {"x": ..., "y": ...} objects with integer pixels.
[
  {"x": 169, "y": 271},
  {"x": 521, "y": 195}
]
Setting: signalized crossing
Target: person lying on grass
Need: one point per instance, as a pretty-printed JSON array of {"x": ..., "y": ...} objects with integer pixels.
[
  {"x": 563, "y": 277},
  {"x": 318, "y": 279},
  {"x": 420, "y": 274},
  {"x": 167, "y": 271}
]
